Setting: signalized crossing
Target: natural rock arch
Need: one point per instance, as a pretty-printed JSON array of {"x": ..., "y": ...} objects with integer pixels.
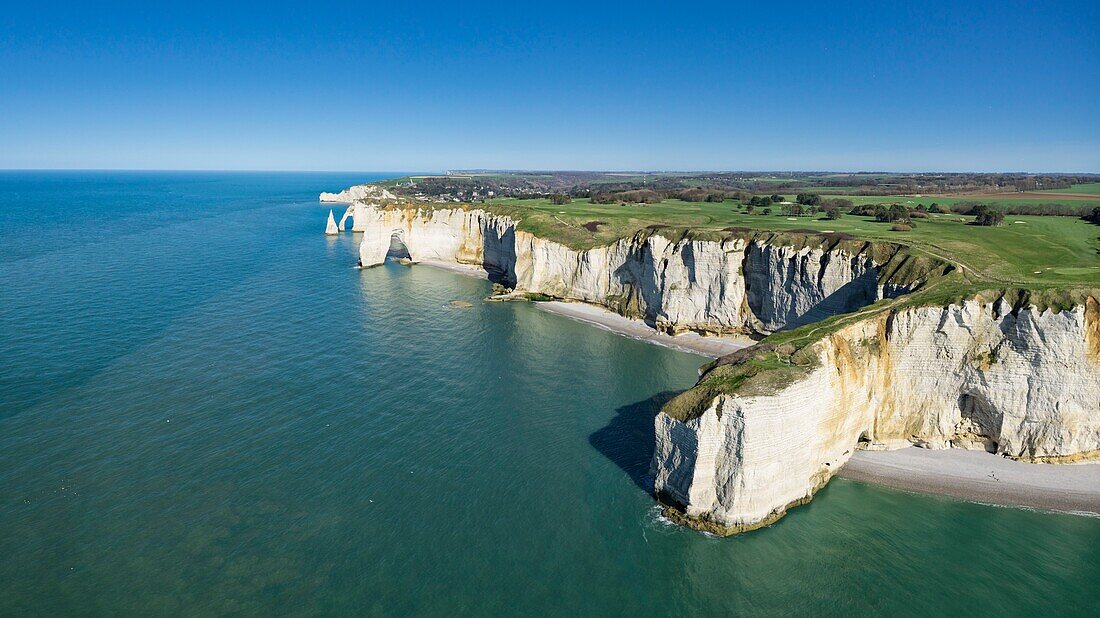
[{"x": 398, "y": 249}]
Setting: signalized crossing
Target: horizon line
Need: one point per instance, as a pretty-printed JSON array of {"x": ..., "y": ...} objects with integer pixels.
[{"x": 540, "y": 170}]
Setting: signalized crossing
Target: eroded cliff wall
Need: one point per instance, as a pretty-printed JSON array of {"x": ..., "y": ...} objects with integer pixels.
[
  {"x": 1023, "y": 383},
  {"x": 734, "y": 285}
]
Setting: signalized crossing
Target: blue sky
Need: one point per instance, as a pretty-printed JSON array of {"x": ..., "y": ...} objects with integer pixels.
[{"x": 1007, "y": 86}]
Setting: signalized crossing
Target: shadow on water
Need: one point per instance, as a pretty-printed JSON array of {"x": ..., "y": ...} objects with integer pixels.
[{"x": 628, "y": 439}]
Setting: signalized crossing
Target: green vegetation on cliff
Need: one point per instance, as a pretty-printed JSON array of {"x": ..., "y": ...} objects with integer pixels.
[
  {"x": 1049, "y": 262},
  {"x": 1024, "y": 251}
]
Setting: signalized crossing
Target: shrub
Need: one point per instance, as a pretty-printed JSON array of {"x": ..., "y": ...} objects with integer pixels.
[
  {"x": 777, "y": 198},
  {"x": 560, "y": 198},
  {"x": 766, "y": 211},
  {"x": 809, "y": 199},
  {"x": 1094, "y": 216},
  {"x": 701, "y": 195},
  {"x": 901, "y": 227},
  {"x": 637, "y": 196},
  {"x": 936, "y": 208},
  {"x": 984, "y": 215},
  {"x": 836, "y": 202},
  {"x": 896, "y": 213}
]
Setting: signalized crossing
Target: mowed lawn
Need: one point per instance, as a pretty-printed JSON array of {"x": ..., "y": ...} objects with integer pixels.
[{"x": 1025, "y": 250}]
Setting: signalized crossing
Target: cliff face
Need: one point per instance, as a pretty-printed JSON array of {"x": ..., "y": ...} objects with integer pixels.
[
  {"x": 359, "y": 192},
  {"x": 1025, "y": 384},
  {"x": 735, "y": 285},
  {"x": 765, "y": 428}
]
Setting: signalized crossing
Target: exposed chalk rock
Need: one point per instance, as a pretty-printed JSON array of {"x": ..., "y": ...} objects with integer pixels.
[
  {"x": 977, "y": 374},
  {"x": 331, "y": 229},
  {"x": 1023, "y": 384},
  {"x": 680, "y": 284},
  {"x": 359, "y": 192}
]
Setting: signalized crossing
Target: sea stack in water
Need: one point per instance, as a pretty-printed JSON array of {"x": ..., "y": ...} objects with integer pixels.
[{"x": 331, "y": 229}]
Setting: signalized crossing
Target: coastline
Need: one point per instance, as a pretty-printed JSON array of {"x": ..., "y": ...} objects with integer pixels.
[
  {"x": 972, "y": 476},
  {"x": 463, "y": 269},
  {"x": 599, "y": 317},
  {"x": 636, "y": 329},
  {"x": 977, "y": 476}
]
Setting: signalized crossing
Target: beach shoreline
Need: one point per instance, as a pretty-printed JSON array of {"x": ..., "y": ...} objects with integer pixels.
[
  {"x": 972, "y": 476},
  {"x": 978, "y": 476},
  {"x": 600, "y": 317}
]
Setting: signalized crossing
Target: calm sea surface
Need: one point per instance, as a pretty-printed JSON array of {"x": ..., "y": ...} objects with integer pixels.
[{"x": 205, "y": 408}]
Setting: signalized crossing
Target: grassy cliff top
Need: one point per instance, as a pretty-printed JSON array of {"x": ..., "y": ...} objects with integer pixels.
[
  {"x": 785, "y": 357},
  {"x": 1049, "y": 262},
  {"x": 1025, "y": 251}
]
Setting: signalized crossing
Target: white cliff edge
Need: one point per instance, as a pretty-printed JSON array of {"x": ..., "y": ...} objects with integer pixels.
[
  {"x": 976, "y": 375},
  {"x": 678, "y": 284},
  {"x": 359, "y": 192},
  {"x": 1023, "y": 383}
]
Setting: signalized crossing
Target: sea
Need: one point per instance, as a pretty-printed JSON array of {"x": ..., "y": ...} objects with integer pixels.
[{"x": 207, "y": 409}]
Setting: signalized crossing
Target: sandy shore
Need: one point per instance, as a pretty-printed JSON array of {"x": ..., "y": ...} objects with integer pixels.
[
  {"x": 462, "y": 269},
  {"x": 607, "y": 320},
  {"x": 975, "y": 476},
  {"x": 636, "y": 329},
  {"x": 978, "y": 476}
]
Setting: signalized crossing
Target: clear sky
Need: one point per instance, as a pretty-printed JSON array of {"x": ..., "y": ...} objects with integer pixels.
[{"x": 1004, "y": 86}]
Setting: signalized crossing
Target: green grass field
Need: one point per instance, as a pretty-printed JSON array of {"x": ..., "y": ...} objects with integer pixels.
[
  {"x": 927, "y": 200},
  {"x": 1030, "y": 251},
  {"x": 1092, "y": 188}
]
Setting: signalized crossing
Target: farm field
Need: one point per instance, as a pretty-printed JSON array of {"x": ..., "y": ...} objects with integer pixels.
[{"x": 1090, "y": 188}]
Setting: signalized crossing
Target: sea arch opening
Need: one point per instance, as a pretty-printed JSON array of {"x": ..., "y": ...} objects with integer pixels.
[{"x": 398, "y": 250}]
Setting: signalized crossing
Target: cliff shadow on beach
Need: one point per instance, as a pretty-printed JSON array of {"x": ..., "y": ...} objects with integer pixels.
[{"x": 628, "y": 439}]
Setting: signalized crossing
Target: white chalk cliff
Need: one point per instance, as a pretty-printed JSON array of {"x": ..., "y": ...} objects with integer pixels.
[
  {"x": 735, "y": 452},
  {"x": 359, "y": 192},
  {"x": 735, "y": 285},
  {"x": 1023, "y": 383}
]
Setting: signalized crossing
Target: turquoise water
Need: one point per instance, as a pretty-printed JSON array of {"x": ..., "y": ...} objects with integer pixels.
[{"x": 205, "y": 408}]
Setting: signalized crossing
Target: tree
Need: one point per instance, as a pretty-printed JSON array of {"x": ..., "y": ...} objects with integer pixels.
[
  {"x": 896, "y": 213},
  {"x": 777, "y": 198},
  {"x": 836, "y": 202},
  {"x": 832, "y": 212},
  {"x": 1094, "y": 216},
  {"x": 760, "y": 200},
  {"x": 766, "y": 211},
  {"x": 794, "y": 210},
  {"x": 989, "y": 217},
  {"x": 899, "y": 213},
  {"x": 936, "y": 208},
  {"x": 750, "y": 208},
  {"x": 560, "y": 198},
  {"x": 808, "y": 199}
]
